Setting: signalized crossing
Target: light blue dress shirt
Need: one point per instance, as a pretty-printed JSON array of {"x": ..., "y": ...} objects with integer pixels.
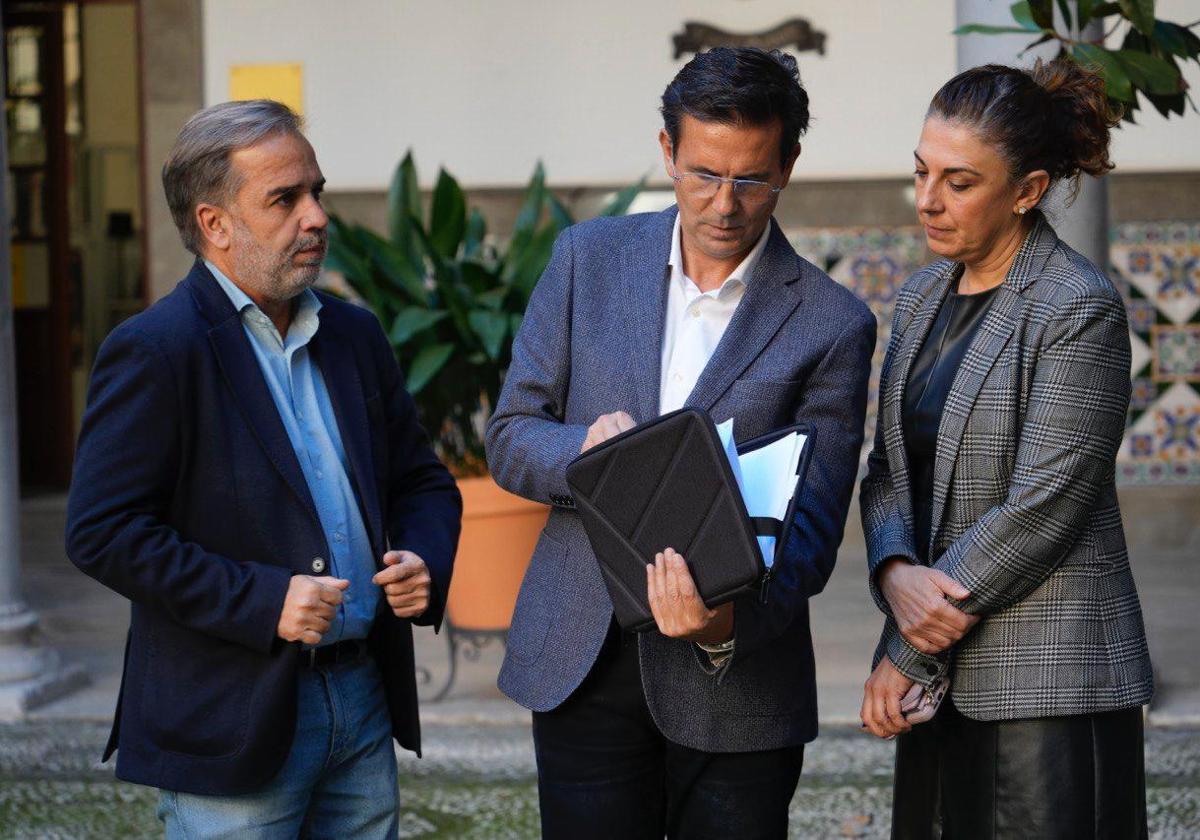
[{"x": 298, "y": 388}]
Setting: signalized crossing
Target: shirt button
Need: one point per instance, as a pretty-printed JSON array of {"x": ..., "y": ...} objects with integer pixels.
[
  {"x": 695, "y": 313},
  {"x": 678, "y": 377},
  {"x": 318, "y": 564},
  {"x": 338, "y": 536},
  {"x": 320, "y": 474}
]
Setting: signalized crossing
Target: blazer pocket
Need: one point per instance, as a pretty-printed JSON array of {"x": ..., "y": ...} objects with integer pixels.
[
  {"x": 196, "y": 690},
  {"x": 537, "y": 602}
]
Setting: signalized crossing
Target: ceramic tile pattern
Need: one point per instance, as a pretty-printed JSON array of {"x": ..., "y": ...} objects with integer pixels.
[{"x": 1156, "y": 265}]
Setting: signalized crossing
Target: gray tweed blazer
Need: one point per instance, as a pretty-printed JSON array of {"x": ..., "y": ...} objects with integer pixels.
[
  {"x": 798, "y": 347},
  {"x": 1024, "y": 503}
]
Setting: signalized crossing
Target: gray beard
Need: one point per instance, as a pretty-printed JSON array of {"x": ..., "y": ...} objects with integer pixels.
[{"x": 269, "y": 273}]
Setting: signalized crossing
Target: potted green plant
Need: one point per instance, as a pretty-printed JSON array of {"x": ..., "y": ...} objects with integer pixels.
[{"x": 451, "y": 298}]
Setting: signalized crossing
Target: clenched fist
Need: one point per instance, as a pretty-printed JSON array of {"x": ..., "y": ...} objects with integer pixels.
[
  {"x": 309, "y": 608},
  {"x": 406, "y": 583}
]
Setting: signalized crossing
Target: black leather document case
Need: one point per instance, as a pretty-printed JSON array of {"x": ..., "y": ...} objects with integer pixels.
[{"x": 668, "y": 484}]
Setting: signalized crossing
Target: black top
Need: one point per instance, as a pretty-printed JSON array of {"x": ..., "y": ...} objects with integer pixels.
[{"x": 929, "y": 384}]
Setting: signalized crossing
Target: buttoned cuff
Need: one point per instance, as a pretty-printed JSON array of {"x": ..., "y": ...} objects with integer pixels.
[{"x": 917, "y": 666}]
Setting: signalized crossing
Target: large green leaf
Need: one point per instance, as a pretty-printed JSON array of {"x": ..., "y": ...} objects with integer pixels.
[
  {"x": 425, "y": 366},
  {"x": 989, "y": 29},
  {"x": 1083, "y": 11},
  {"x": 412, "y": 320},
  {"x": 491, "y": 327},
  {"x": 402, "y": 266},
  {"x": 475, "y": 234},
  {"x": 1025, "y": 16},
  {"x": 1177, "y": 40},
  {"x": 1041, "y": 13},
  {"x": 493, "y": 298},
  {"x": 1102, "y": 10},
  {"x": 1064, "y": 9},
  {"x": 560, "y": 216},
  {"x": 447, "y": 215},
  {"x": 478, "y": 279},
  {"x": 1140, "y": 14},
  {"x": 344, "y": 257},
  {"x": 535, "y": 200},
  {"x": 404, "y": 201},
  {"x": 1116, "y": 81},
  {"x": 1151, "y": 73},
  {"x": 523, "y": 270},
  {"x": 619, "y": 205}
]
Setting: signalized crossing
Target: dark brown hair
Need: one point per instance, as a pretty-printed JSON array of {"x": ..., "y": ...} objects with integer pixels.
[
  {"x": 733, "y": 85},
  {"x": 1053, "y": 116}
]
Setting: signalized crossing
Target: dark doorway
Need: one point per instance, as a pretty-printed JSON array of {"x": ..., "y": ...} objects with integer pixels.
[
  {"x": 74, "y": 193},
  {"x": 35, "y": 111}
]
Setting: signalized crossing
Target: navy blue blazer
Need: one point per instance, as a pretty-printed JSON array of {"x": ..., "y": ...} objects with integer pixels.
[{"x": 187, "y": 499}]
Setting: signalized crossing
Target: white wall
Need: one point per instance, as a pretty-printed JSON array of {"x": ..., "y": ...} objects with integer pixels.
[{"x": 486, "y": 88}]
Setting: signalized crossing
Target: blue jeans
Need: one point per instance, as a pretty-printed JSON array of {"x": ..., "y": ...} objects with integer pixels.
[{"x": 339, "y": 780}]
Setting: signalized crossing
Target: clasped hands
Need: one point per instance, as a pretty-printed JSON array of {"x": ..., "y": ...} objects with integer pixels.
[
  {"x": 678, "y": 609},
  {"x": 917, "y": 596},
  {"x": 311, "y": 602}
]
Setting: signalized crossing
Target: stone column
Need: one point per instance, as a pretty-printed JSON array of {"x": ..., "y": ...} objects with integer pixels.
[
  {"x": 29, "y": 673},
  {"x": 172, "y": 37},
  {"x": 1083, "y": 225}
]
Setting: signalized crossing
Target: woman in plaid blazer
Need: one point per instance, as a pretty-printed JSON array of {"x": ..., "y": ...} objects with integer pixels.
[{"x": 994, "y": 538}]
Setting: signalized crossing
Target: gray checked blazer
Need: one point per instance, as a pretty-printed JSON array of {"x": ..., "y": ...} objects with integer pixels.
[
  {"x": 1024, "y": 502},
  {"x": 798, "y": 348}
]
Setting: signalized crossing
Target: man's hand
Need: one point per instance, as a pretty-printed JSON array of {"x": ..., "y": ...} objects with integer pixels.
[
  {"x": 678, "y": 609},
  {"x": 882, "y": 693},
  {"x": 605, "y": 427},
  {"x": 917, "y": 596},
  {"x": 406, "y": 583},
  {"x": 309, "y": 608}
]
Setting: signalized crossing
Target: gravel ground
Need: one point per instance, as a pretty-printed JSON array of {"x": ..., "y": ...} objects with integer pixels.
[{"x": 476, "y": 781}]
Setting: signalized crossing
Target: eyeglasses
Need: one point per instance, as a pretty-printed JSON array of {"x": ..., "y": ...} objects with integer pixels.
[{"x": 701, "y": 185}]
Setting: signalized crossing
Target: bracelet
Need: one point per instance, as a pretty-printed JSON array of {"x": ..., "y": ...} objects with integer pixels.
[{"x": 718, "y": 648}]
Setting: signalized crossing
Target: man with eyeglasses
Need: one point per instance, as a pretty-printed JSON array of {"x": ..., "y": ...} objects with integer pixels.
[{"x": 694, "y": 729}]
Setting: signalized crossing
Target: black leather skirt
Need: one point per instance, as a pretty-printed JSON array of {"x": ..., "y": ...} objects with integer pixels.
[{"x": 1081, "y": 776}]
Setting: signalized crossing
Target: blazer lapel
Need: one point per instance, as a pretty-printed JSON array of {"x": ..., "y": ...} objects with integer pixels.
[
  {"x": 985, "y": 348},
  {"x": 891, "y": 412},
  {"x": 240, "y": 367},
  {"x": 645, "y": 273},
  {"x": 772, "y": 294},
  {"x": 333, "y": 353}
]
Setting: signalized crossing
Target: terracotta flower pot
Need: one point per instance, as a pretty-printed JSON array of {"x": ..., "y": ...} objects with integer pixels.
[{"x": 498, "y": 536}]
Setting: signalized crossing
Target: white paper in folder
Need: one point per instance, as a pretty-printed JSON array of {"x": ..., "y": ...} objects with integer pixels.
[{"x": 766, "y": 477}]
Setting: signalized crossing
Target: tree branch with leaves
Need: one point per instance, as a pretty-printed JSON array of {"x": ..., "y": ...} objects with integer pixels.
[{"x": 1147, "y": 64}]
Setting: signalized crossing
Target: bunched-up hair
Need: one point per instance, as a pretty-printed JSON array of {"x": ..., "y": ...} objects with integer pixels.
[
  {"x": 739, "y": 85},
  {"x": 1053, "y": 116},
  {"x": 198, "y": 167}
]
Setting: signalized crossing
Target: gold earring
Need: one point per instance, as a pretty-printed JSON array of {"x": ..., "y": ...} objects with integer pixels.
[{"x": 1021, "y": 211}]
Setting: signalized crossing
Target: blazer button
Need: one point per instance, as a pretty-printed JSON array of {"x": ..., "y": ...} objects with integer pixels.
[
  {"x": 929, "y": 669},
  {"x": 318, "y": 564}
]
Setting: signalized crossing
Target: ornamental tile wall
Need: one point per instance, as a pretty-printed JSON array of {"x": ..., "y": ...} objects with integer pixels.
[{"x": 1156, "y": 266}]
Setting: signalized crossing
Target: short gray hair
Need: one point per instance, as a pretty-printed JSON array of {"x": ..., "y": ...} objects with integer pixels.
[{"x": 198, "y": 167}]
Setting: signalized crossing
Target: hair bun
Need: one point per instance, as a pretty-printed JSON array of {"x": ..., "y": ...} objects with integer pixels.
[{"x": 1081, "y": 117}]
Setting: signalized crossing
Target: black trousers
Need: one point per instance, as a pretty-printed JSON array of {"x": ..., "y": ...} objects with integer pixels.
[
  {"x": 1060, "y": 778},
  {"x": 605, "y": 771}
]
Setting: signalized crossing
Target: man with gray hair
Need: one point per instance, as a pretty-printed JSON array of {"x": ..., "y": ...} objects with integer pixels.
[{"x": 252, "y": 476}]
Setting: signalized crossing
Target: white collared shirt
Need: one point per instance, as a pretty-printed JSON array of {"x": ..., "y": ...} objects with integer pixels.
[{"x": 695, "y": 321}]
